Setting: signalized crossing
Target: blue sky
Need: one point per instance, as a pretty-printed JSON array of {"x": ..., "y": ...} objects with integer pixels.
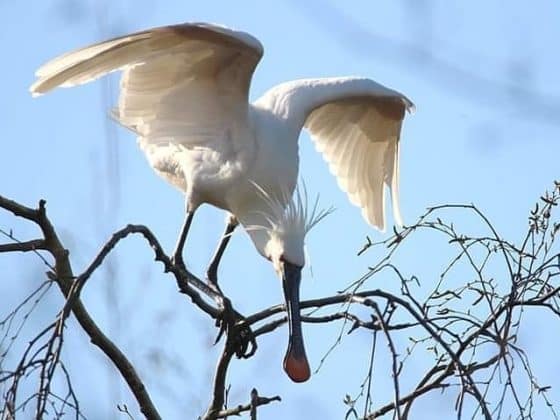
[{"x": 484, "y": 78}]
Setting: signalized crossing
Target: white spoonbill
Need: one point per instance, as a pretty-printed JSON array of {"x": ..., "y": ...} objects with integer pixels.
[{"x": 184, "y": 92}]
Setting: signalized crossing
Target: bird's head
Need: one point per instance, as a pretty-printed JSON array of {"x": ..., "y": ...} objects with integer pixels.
[{"x": 288, "y": 220}]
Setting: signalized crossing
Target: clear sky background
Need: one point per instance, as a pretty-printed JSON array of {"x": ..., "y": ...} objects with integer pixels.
[{"x": 483, "y": 75}]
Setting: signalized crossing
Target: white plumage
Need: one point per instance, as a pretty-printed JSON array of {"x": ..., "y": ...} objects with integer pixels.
[{"x": 184, "y": 92}]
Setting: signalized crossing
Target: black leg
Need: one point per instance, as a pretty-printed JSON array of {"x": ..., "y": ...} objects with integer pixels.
[
  {"x": 212, "y": 272},
  {"x": 178, "y": 253},
  {"x": 245, "y": 342}
]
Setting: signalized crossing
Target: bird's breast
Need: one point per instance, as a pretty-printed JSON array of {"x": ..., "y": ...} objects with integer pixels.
[{"x": 206, "y": 171}]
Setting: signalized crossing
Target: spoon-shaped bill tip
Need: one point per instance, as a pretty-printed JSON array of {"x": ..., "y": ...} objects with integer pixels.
[
  {"x": 295, "y": 361},
  {"x": 296, "y": 368}
]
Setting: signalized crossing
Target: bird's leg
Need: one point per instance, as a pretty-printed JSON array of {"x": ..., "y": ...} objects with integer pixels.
[
  {"x": 178, "y": 253},
  {"x": 212, "y": 272},
  {"x": 230, "y": 322}
]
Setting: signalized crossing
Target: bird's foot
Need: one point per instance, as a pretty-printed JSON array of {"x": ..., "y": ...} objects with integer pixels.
[{"x": 238, "y": 335}]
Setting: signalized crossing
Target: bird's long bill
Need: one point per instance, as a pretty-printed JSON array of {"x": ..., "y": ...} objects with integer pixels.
[{"x": 295, "y": 361}]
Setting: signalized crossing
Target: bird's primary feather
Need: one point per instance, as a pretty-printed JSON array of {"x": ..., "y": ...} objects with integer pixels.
[
  {"x": 122, "y": 53},
  {"x": 366, "y": 159}
]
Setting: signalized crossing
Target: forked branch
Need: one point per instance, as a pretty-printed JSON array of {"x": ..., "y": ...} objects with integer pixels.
[{"x": 450, "y": 323}]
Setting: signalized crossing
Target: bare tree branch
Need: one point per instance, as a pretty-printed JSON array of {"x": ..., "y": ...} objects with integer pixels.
[
  {"x": 453, "y": 323},
  {"x": 64, "y": 277}
]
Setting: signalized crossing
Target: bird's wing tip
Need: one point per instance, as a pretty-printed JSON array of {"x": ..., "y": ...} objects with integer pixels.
[
  {"x": 34, "y": 92},
  {"x": 410, "y": 107}
]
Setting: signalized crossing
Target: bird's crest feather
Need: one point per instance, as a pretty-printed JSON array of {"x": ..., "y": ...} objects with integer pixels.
[{"x": 291, "y": 213}]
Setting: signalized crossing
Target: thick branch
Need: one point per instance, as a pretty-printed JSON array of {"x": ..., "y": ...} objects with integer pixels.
[{"x": 218, "y": 394}]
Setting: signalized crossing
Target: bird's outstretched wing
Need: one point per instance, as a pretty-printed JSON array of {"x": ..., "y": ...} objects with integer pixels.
[
  {"x": 359, "y": 138},
  {"x": 181, "y": 84},
  {"x": 355, "y": 123}
]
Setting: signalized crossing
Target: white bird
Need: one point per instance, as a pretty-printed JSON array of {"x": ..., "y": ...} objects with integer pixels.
[{"x": 184, "y": 92}]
